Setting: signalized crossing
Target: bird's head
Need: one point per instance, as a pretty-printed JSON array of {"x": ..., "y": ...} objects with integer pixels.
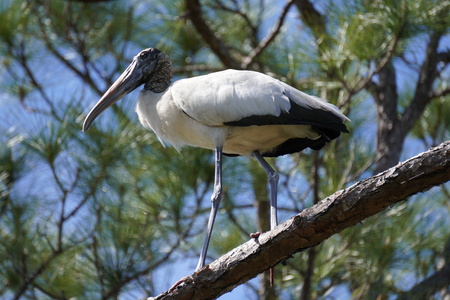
[{"x": 150, "y": 67}]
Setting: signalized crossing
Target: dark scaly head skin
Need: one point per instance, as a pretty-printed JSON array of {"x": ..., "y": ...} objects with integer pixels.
[
  {"x": 160, "y": 78},
  {"x": 150, "y": 67}
]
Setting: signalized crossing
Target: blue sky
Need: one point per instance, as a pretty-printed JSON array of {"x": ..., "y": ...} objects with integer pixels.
[{"x": 65, "y": 87}]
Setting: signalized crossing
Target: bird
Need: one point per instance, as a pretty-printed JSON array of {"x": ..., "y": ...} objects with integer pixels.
[{"x": 232, "y": 112}]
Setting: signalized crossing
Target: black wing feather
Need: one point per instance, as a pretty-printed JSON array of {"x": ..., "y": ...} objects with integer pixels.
[{"x": 326, "y": 123}]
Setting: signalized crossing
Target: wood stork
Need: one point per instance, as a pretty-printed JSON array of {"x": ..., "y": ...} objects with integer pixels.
[{"x": 232, "y": 112}]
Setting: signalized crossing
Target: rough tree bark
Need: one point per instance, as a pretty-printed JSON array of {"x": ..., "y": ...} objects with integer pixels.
[{"x": 343, "y": 209}]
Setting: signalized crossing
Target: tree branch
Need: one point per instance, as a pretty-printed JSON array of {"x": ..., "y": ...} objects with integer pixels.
[
  {"x": 85, "y": 76},
  {"x": 423, "y": 93},
  {"x": 429, "y": 286},
  {"x": 194, "y": 13},
  {"x": 313, "y": 19},
  {"x": 237, "y": 10},
  {"x": 268, "y": 39},
  {"x": 312, "y": 226},
  {"x": 380, "y": 65},
  {"x": 440, "y": 93}
]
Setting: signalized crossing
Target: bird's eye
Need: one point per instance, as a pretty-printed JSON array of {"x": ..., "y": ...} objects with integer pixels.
[{"x": 143, "y": 55}]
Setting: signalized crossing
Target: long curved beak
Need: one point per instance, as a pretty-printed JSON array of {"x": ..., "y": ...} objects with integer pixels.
[{"x": 130, "y": 79}]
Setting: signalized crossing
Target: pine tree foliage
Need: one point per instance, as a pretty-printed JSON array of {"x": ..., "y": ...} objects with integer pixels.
[{"x": 99, "y": 215}]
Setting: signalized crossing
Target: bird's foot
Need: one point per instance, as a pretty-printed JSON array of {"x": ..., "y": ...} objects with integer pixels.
[
  {"x": 255, "y": 235},
  {"x": 176, "y": 284}
]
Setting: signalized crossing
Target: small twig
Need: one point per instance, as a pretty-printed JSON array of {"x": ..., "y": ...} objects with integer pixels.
[
  {"x": 237, "y": 11},
  {"x": 440, "y": 93},
  {"x": 386, "y": 58},
  {"x": 194, "y": 13},
  {"x": 268, "y": 39}
]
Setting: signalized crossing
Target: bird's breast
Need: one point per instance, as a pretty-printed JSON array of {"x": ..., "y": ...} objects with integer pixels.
[{"x": 159, "y": 113}]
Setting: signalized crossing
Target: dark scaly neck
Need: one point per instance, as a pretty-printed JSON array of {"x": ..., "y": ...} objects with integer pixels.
[{"x": 161, "y": 78}]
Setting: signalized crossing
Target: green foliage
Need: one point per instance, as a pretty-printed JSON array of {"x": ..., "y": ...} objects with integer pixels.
[
  {"x": 434, "y": 125},
  {"x": 92, "y": 216}
]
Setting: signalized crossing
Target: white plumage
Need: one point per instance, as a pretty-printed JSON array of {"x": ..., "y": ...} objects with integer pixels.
[
  {"x": 231, "y": 95},
  {"x": 194, "y": 112},
  {"x": 232, "y": 112}
]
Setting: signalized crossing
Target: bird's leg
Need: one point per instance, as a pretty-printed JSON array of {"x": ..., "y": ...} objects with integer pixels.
[
  {"x": 273, "y": 182},
  {"x": 215, "y": 201}
]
